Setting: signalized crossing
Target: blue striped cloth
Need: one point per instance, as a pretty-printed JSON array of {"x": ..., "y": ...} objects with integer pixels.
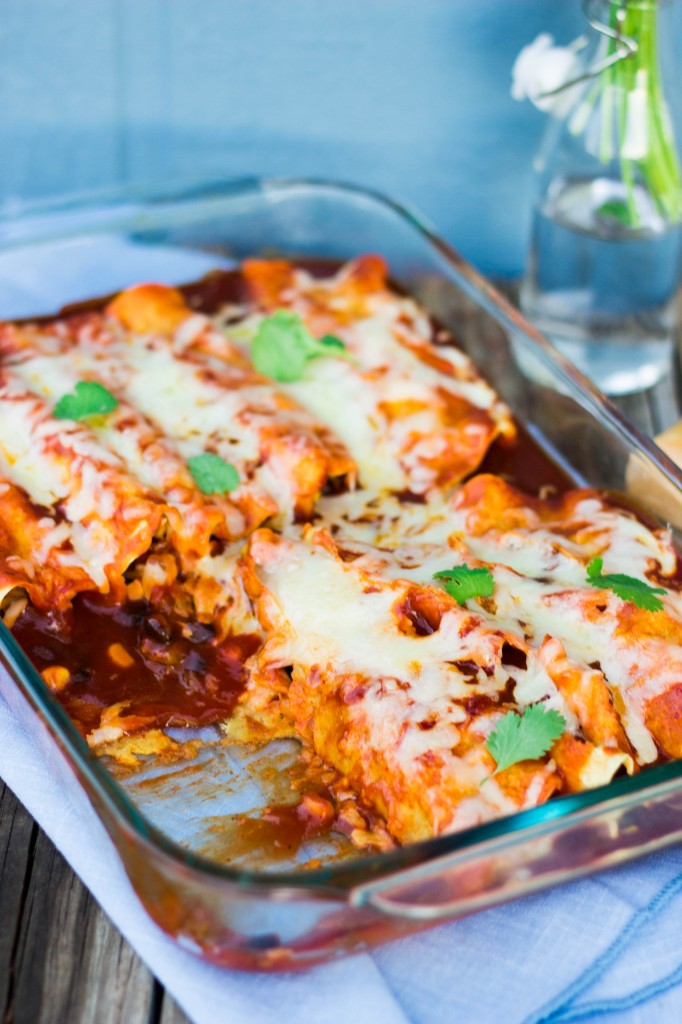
[{"x": 609, "y": 947}]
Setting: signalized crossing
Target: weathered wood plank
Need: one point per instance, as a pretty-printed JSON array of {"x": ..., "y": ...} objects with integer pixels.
[
  {"x": 17, "y": 839},
  {"x": 70, "y": 963},
  {"x": 171, "y": 1012}
]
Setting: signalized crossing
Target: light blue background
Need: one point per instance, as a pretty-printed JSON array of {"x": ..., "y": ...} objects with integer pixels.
[{"x": 410, "y": 96}]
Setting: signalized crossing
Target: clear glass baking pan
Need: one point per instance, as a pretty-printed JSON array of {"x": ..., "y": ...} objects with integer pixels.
[{"x": 291, "y": 913}]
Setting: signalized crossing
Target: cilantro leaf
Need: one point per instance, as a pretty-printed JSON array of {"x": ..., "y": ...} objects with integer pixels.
[
  {"x": 283, "y": 346},
  {"x": 627, "y": 588},
  {"x": 213, "y": 475},
  {"x": 524, "y": 737},
  {"x": 461, "y": 582},
  {"x": 88, "y": 399}
]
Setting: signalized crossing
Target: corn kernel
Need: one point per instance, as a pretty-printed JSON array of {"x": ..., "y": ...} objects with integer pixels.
[
  {"x": 120, "y": 656},
  {"x": 56, "y": 677}
]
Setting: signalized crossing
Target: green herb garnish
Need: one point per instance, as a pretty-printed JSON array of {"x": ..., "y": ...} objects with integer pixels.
[
  {"x": 461, "y": 582},
  {"x": 283, "y": 346},
  {"x": 627, "y": 588},
  {"x": 88, "y": 399},
  {"x": 213, "y": 475},
  {"x": 524, "y": 737}
]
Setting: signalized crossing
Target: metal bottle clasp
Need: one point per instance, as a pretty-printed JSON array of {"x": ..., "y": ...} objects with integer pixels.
[{"x": 627, "y": 48}]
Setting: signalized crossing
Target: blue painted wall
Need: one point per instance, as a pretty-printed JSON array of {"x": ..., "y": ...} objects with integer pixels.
[{"x": 410, "y": 96}]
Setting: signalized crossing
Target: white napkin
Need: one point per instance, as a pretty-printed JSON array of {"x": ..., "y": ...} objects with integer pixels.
[
  {"x": 56, "y": 274},
  {"x": 609, "y": 948}
]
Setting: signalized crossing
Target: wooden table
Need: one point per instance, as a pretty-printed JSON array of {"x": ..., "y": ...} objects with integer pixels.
[{"x": 61, "y": 959}]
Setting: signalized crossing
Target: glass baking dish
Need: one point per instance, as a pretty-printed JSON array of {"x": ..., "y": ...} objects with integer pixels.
[{"x": 270, "y": 917}]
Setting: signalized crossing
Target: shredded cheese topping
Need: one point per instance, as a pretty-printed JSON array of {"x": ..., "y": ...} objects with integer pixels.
[{"x": 357, "y": 484}]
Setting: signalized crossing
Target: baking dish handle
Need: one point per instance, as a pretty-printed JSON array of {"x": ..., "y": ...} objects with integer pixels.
[{"x": 523, "y": 861}]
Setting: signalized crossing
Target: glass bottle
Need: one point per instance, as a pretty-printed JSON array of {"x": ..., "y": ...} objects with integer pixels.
[{"x": 605, "y": 254}]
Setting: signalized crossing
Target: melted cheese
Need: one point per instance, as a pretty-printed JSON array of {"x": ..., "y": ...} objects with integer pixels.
[
  {"x": 401, "y": 705},
  {"x": 540, "y": 584},
  {"x": 334, "y": 621},
  {"x": 186, "y": 401},
  {"x": 340, "y": 621},
  {"x": 62, "y": 464},
  {"x": 392, "y": 402}
]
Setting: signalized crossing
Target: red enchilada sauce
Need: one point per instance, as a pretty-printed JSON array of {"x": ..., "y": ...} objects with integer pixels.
[
  {"x": 168, "y": 672},
  {"x": 174, "y": 673}
]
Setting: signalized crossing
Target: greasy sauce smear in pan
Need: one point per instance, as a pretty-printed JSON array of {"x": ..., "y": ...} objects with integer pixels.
[{"x": 274, "y": 834}]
